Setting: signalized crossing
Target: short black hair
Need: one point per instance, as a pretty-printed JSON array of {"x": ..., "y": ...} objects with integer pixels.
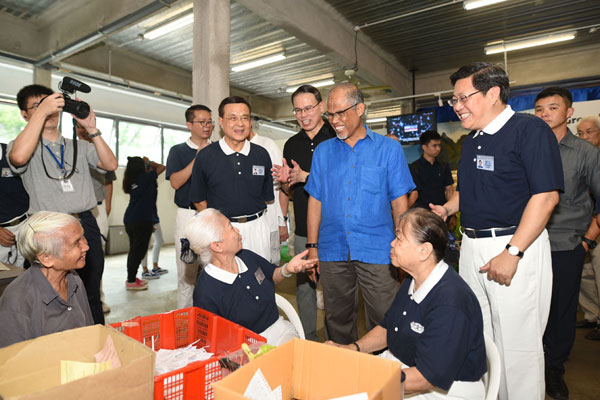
[
  {"x": 308, "y": 89},
  {"x": 485, "y": 76},
  {"x": 556, "y": 91},
  {"x": 189, "y": 113},
  {"x": 425, "y": 227},
  {"x": 232, "y": 100},
  {"x": 31, "y": 91},
  {"x": 428, "y": 136}
]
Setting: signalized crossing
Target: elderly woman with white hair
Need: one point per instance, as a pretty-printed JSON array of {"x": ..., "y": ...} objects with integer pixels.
[
  {"x": 48, "y": 297},
  {"x": 238, "y": 284}
]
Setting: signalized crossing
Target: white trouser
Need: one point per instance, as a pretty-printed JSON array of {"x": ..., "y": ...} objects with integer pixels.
[
  {"x": 186, "y": 273},
  {"x": 158, "y": 243},
  {"x": 273, "y": 222},
  {"x": 458, "y": 391},
  {"x": 589, "y": 295},
  {"x": 99, "y": 212},
  {"x": 280, "y": 332},
  {"x": 10, "y": 255},
  {"x": 514, "y": 316},
  {"x": 255, "y": 236}
]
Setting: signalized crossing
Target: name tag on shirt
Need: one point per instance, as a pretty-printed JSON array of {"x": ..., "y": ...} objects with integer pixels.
[
  {"x": 260, "y": 276},
  {"x": 485, "y": 163},
  {"x": 67, "y": 186},
  {"x": 7, "y": 173},
  {"x": 417, "y": 327},
  {"x": 258, "y": 170}
]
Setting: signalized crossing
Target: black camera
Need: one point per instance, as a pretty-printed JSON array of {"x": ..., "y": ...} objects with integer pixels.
[{"x": 68, "y": 86}]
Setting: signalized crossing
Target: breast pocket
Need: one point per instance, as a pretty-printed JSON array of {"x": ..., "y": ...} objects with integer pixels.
[
  {"x": 373, "y": 179},
  {"x": 374, "y": 203}
]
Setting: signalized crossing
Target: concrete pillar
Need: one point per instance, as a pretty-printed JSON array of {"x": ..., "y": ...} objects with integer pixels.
[
  {"x": 42, "y": 76},
  {"x": 210, "y": 75}
]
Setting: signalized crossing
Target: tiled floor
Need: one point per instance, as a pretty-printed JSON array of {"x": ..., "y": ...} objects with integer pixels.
[{"x": 583, "y": 367}]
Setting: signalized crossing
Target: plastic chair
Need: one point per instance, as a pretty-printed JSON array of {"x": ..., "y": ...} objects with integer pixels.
[
  {"x": 290, "y": 313},
  {"x": 491, "y": 379}
]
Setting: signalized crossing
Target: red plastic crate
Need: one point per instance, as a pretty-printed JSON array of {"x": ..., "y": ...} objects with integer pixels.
[{"x": 179, "y": 328}]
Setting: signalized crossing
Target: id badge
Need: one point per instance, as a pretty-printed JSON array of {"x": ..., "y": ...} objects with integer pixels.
[
  {"x": 485, "y": 163},
  {"x": 6, "y": 173},
  {"x": 67, "y": 186},
  {"x": 258, "y": 170},
  {"x": 260, "y": 276}
]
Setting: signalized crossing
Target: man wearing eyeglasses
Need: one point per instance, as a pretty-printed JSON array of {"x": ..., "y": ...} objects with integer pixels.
[
  {"x": 509, "y": 176},
  {"x": 234, "y": 176},
  {"x": 43, "y": 158},
  {"x": 180, "y": 162},
  {"x": 358, "y": 186},
  {"x": 589, "y": 295},
  {"x": 298, "y": 154}
]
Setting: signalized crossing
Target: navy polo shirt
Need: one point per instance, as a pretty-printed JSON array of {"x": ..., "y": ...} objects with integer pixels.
[
  {"x": 235, "y": 183},
  {"x": 431, "y": 181},
  {"x": 14, "y": 200},
  {"x": 498, "y": 173},
  {"x": 142, "y": 199},
  {"x": 300, "y": 148},
  {"x": 179, "y": 157},
  {"x": 240, "y": 298},
  {"x": 438, "y": 328}
]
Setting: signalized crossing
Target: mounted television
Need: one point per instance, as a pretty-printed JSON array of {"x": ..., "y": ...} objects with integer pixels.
[{"x": 409, "y": 127}]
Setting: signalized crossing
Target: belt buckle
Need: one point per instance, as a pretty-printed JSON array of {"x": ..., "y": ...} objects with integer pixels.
[{"x": 242, "y": 219}]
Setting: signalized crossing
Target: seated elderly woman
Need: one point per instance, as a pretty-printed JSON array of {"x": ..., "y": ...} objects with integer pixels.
[
  {"x": 434, "y": 326},
  {"x": 48, "y": 297},
  {"x": 238, "y": 284}
]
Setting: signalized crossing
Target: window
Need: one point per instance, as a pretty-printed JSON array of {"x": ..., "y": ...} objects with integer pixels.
[
  {"x": 105, "y": 125},
  {"x": 139, "y": 140},
  {"x": 171, "y": 137},
  {"x": 11, "y": 122}
]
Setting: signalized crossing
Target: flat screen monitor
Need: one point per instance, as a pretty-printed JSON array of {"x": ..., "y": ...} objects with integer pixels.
[{"x": 409, "y": 127}]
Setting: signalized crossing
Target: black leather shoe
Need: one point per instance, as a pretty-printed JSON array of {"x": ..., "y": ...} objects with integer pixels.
[
  {"x": 594, "y": 334},
  {"x": 556, "y": 388},
  {"x": 585, "y": 324}
]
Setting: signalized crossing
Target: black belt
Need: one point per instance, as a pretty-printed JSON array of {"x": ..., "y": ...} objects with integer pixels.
[
  {"x": 248, "y": 218},
  {"x": 14, "y": 221},
  {"x": 100, "y": 203},
  {"x": 487, "y": 233},
  {"x": 81, "y": 214}
]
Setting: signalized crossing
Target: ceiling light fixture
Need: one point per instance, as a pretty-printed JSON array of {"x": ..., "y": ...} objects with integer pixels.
[
  {"x": 528, "y": 42},
  {"x": 374, "y": 120},
  {"x": 169, "y": 27},
  {"x": 471, "y": 4},
  {"x": 327, "y": 82},
  {"x": 258, "y": 62}
]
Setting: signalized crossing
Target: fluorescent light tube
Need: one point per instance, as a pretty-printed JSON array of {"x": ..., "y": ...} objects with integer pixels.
[
  {"x": 471, "y": 4},
  {"x": 530, "y": 42},
  {"x": 374, "y": 120},
  {"x": 258, "y": 62},
  {"x": 327, "y": 82},
  {"x": 170, "y": 27}
]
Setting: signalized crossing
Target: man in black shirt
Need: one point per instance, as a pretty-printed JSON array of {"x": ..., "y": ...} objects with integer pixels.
[
  {"x": 433, "y": 178},
  {"x": 297, "y": 157}
]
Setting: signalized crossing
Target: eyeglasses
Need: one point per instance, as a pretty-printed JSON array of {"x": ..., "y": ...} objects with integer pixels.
[
  {"x": 204, "y": 123},
  {"x": 34, "y": 106},
  {"x": 234, "y": 119},
  {"x": 306, "y": 109},
  {"x": 339, "y": 114},
  {"x": 462, "y": 99}
]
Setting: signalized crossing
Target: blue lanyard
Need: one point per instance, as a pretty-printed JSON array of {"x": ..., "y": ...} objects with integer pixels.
[{"x": 61, "y": 163}]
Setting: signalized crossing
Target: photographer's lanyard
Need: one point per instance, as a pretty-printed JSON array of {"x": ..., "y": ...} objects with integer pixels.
[{"x": 61, "y": 163}]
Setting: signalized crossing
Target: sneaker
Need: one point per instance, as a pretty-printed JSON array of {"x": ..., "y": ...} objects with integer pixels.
[
  {"x": 135, "y": 285},
  {"x": 141, "y": 281},
  {"x": 160, "y": 271},
  {"x": 556, "y": 388},
  {"x": 105, "y": 308},
  {"x": 150, "y": 275},
  {"x": 594, "y": 334}
]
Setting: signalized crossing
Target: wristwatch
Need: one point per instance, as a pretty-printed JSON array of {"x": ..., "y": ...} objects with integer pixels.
[
  {"x": 591, "y": 243},
  {"x": 93, "y": 135},
  {"x": 311, "y": 246},
  {"x": 514, "y": 251}
]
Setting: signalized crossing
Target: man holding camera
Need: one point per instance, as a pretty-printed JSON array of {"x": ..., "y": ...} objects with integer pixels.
[{"x": 55, "y": 181}]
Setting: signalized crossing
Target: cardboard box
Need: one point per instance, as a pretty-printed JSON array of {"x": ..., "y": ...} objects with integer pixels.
[
  {"x": 31, "y": 369},
  {"x": 308, "y": 370}
]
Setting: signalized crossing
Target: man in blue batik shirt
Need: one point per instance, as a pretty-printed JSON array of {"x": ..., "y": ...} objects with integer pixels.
[{"x": 358, "y": 186}]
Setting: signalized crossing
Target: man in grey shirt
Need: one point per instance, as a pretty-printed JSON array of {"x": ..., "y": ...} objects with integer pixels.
[{"x": 571, "y": 232}]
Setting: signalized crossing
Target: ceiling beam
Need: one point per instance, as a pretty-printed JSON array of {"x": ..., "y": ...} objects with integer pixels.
[{"x": 310, "y": 19}]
